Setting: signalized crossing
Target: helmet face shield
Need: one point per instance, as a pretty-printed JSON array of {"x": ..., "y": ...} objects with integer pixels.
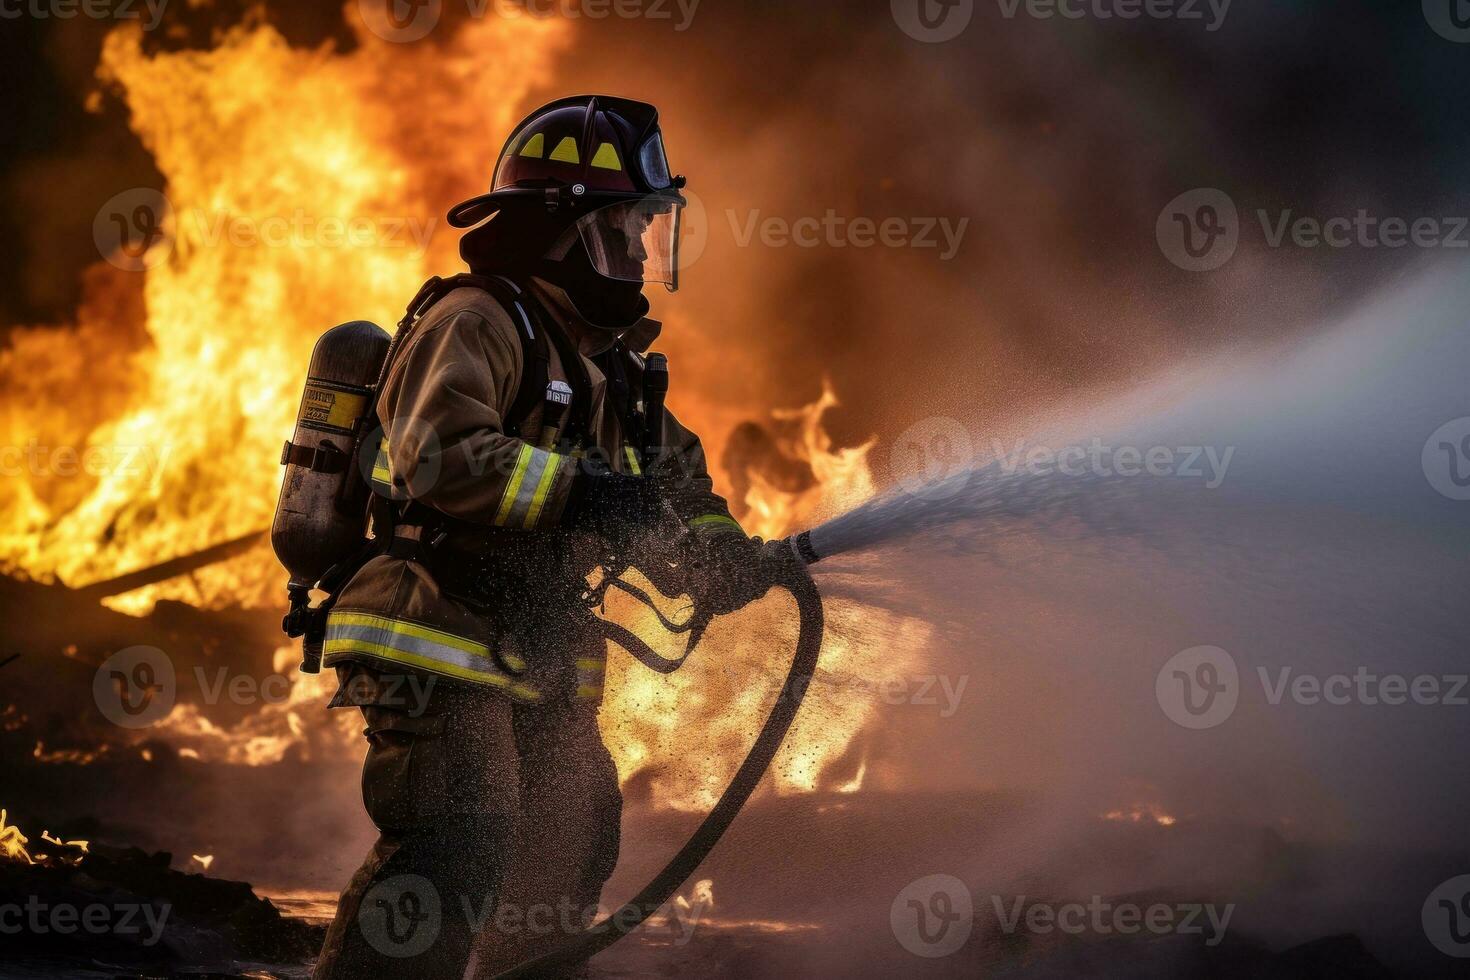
[{"x": 634, "y": 240}]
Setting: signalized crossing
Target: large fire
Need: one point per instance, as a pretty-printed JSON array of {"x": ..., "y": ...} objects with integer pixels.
[{"x": 180, "y": 380}]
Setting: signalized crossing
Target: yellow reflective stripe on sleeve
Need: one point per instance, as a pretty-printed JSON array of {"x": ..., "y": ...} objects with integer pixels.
[
  {"x": 530, "y": 484},
  {"x": 632, "y": 461},
  {"x": 716, "y": 522},
  {"x": 543, "y": 487},
  {"x": 508, "y": 499},
  {"x": 401, "y": 641},
  {"x": 589, "y": 677}
]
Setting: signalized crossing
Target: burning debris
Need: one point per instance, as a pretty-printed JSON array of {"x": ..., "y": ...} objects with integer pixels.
[{"x": 94, "y": 907}]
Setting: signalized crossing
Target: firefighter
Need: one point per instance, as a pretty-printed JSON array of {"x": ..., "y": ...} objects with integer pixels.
[{"x": 512, "y": 467}]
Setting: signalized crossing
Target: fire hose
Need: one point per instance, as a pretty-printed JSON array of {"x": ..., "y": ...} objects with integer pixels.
[{"x": 788, "y": 571}]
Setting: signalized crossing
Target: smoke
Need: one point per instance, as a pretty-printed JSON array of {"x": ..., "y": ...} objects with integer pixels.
[
  {"x": 1324, "y": 551},
  {"x": 1058, "y": 143}
]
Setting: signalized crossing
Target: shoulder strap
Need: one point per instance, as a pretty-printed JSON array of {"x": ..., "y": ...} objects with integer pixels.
[
  {"x": 535, "y": 354},
  {"x": 613, "y": 363},
  {"x": 579, "y": 414}
]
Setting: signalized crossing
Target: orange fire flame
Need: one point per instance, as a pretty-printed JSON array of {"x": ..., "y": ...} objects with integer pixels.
[
  {"x": 194, "y": 365},
  {"x": 13, "y": 846}
]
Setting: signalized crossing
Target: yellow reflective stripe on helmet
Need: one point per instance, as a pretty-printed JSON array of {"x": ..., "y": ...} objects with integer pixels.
[
  {"x": 530, "y": 485},
  {"x": 566, "y": 151},
  {"x": 632, "y": 461},
  {"x": 402, "y": 641},
  {"x": 716, "y": 522},
  {"x": 535, "y": 146},
  {"x": 606, "y": 157}
]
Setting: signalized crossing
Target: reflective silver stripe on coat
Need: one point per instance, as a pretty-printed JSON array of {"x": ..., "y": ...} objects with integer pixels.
[{"x": 401, "y": 641}]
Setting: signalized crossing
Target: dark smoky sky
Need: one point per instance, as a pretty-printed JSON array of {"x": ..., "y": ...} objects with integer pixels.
[{"x": 1056, "y": 141}]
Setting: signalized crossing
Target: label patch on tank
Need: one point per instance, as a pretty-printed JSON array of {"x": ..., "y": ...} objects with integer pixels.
[{"x": 324, "y": 407}]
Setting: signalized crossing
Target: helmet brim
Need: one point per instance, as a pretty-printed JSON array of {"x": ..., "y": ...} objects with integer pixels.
[{"x": 467, "y": 214}]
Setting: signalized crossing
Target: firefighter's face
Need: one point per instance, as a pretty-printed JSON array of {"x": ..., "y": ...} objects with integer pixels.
[{"x": 633, "y": 241}]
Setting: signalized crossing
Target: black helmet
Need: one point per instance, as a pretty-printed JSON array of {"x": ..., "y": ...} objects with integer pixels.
[{"x": 599, "y": 161}]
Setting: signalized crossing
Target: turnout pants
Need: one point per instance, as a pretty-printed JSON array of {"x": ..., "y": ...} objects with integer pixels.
[{"x": 499, "y": 825}]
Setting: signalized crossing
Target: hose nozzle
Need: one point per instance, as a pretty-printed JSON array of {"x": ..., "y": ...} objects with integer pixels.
[{"x": 801, "y": 546}]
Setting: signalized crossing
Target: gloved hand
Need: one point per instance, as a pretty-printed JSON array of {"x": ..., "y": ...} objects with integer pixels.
[
  {"x": 614, "y": 505},
  {"x": 727, "y": 572}
]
